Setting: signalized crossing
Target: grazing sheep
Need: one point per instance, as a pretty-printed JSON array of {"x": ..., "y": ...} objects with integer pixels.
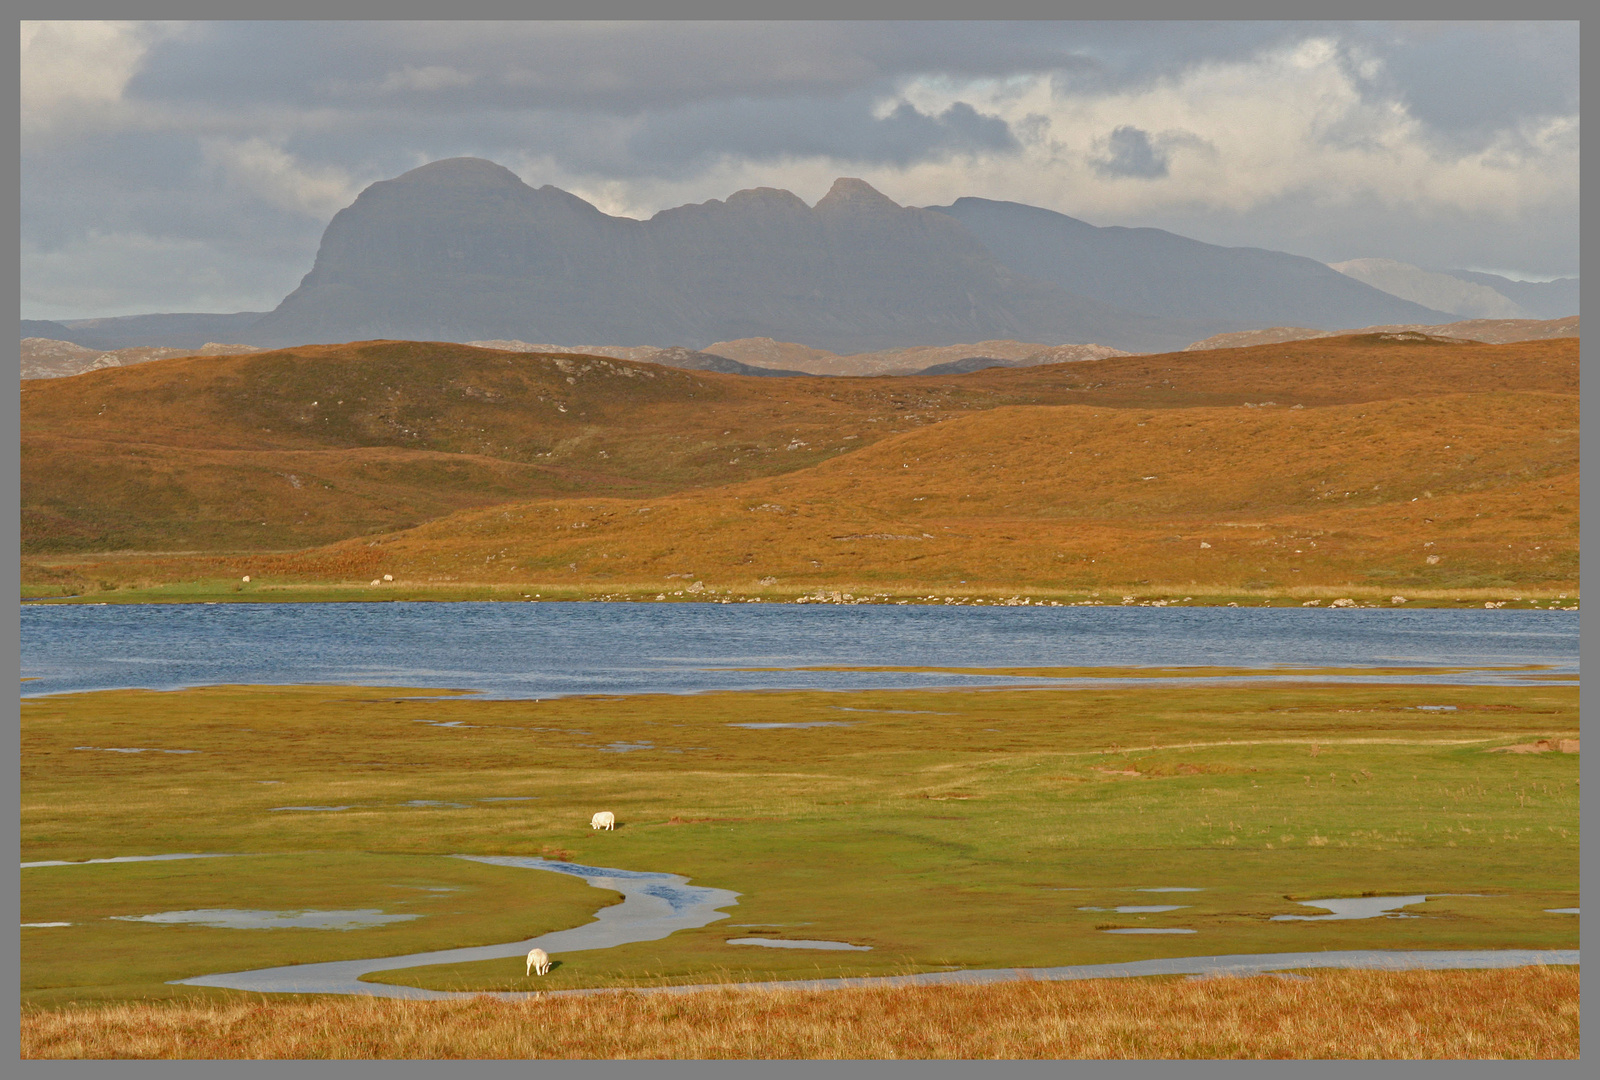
[
  {"x": 538, "y": 960},
  {"x": 605, "y": 819}
]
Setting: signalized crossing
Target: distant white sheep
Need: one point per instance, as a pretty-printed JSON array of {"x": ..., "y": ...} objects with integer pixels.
[
  {"x": 605, "y": 819},
  {"x": 538, "y": 960}
]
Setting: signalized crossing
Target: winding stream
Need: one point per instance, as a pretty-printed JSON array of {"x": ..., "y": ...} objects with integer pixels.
[
  {"x": 653, "y": 906},
  {"x": 656, "y": 905}
]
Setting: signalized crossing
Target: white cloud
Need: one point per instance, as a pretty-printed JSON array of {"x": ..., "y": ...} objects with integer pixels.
[
  {"x": 74, "y": 73},
  {"x": 1301, "y": 122},
  {"x": 258, "y": 168}
]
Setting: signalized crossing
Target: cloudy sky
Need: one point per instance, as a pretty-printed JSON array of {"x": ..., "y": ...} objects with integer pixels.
[{"x": 193, "y": 166}]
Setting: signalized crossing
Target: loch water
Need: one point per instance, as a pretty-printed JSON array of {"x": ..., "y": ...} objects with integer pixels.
[{"x": 534, "y": 650}]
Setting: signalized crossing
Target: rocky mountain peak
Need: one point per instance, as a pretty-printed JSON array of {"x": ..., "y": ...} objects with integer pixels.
[
  {"x": 852, "y": 195},
  {"x": 461, "y": 172},
  {"x": 767, "y": 198}
]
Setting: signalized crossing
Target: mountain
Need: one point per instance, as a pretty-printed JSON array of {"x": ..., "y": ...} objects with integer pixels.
[
  {"x": 184, "y": 330},
  {"x": 462, "y": 249},
  {"x": 1160, "y": 272},
  {"x": 47, "y": 330},
  {"x": 1444, "y": 292},
  {"x": 1541, "y": 299}
]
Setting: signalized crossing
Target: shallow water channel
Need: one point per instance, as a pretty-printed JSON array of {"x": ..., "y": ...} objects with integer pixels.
[
  {"x": 653, "y": 906},
  {"x": 656, "y": 905}
]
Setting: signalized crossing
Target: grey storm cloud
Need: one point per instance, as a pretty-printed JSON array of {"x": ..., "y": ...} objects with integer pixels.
[
  {"x": 620, "y": 68},
  {"x": 845, "y": 130},
  {"x": 1129, "y": 152},
  {"x": 222, "y": 149}
]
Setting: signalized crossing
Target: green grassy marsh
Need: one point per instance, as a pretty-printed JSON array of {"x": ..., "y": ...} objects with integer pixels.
[{"x": 942, "y": 828}]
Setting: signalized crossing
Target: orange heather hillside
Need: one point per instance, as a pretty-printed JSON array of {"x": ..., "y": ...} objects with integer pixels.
[
  {"x": 1321, "y": 464},
  {"x": 1074, "y": 497}
]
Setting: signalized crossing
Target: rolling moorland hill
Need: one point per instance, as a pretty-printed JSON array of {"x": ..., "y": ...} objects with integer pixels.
[
  {"x": 1459, "y": 491},
  {"x": 46, "y": 358},
  {"x": 1490, "y": 331},
  {"x": 43, "y": 358},
  {"x": 764, "y": 352},
  {"x": 292, "y": 449},
  {"x": 671, "y": 356}
]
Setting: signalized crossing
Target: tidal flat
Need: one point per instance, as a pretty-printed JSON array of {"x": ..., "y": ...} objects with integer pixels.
[{"x": 946, "y": 829}]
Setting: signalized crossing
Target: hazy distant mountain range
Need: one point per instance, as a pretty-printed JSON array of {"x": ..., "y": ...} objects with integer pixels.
[
  {"x": 1466, "y": 293},
  {"x": 178, "y": 331},
  {"x": 462, "y": 250}
]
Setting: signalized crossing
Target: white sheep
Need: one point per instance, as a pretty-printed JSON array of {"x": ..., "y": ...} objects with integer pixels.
[
  {"x": 605, "y": 819},
  {"x": 538, "y": 960}
]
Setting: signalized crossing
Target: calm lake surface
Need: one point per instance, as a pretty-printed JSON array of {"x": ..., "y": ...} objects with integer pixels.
[{"x": 523, "y": 650}]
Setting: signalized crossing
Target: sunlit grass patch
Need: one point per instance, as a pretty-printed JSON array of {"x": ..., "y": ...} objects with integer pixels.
[{"x": 1529, "y": 1013}]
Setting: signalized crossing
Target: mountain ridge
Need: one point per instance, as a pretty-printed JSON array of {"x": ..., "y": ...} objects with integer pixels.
[
  {"x": 1152, "y": 269},
  {"x": 463, "y": 249}
]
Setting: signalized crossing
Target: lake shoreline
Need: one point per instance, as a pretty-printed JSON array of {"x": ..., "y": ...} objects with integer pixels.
[{"x": 258, "y": 592}]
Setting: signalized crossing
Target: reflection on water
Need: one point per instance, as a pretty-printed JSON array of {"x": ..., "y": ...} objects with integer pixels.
[
  {"x": 1356, "y": 907},
  {"x": 796, "y": 943},
  {"x": 249, "y": 919},
  {"x": 126, "y": 858},
  {"x": 1137, "y": 909},
  {"x": 552, "y": 649}
]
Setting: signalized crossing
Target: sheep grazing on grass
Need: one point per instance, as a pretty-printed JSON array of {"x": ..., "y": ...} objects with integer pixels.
[
  {"x": 538, "y": 960},
  {"x": 605, "y": 819}
]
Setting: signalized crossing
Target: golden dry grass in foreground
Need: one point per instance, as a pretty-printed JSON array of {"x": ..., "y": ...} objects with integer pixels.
[{"x": 1514, "y": 1013}]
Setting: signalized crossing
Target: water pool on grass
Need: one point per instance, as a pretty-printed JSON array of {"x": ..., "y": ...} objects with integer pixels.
[{"x": 251, "y": 919}]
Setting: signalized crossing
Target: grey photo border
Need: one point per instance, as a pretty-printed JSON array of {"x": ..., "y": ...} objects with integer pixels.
[{"x": 373, "y": 10}]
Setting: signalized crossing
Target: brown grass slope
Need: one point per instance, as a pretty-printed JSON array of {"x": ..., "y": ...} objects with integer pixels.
[
  {"x": 1078, "y": 497},
  {"x": 232, "y": 454},
  {"x": 1516, "y": 1013}
]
